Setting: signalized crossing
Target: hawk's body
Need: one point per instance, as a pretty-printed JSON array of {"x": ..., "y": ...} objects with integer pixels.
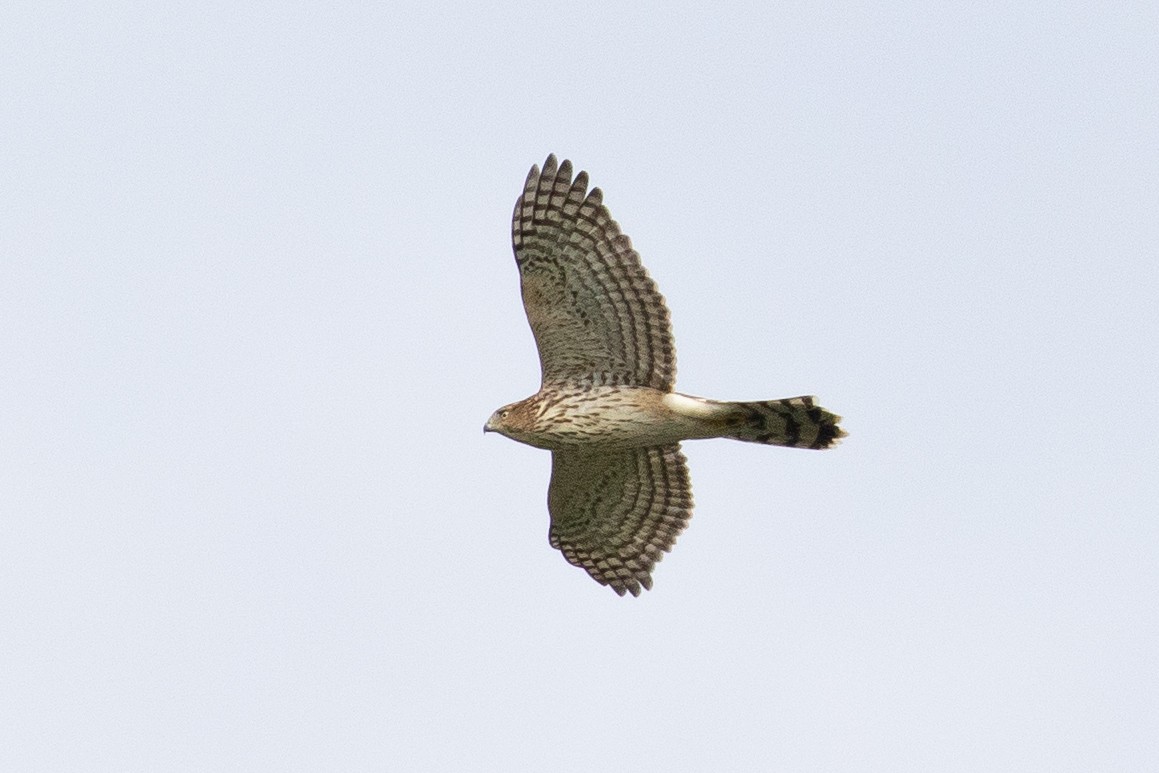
[{"x": 619, "y": 492}]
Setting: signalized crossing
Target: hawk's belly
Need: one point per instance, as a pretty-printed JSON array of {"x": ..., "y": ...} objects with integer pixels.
[{"x": 612, "y": 417}]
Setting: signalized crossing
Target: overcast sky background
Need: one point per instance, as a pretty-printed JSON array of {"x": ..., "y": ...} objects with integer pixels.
[{"x": 257, "y": 299}]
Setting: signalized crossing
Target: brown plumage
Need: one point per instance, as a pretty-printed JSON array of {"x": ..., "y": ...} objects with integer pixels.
[{"x": 606, "y": 409}]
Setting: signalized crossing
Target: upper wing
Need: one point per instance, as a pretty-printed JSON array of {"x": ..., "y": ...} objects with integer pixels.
[
  {"x": 596, "y": 314},
  {"x": 615, "y": 513}
]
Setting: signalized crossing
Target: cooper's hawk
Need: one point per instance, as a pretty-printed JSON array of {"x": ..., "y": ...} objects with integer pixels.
[{"x": 606, "y": 408}]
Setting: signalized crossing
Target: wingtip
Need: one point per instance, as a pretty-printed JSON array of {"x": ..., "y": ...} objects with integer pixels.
[
  {"x": 550, "y": 165},
  {"x": 565, "y": 170},
  {"x": 634, "y": 585},
  {"x": 555, "y": 169}
]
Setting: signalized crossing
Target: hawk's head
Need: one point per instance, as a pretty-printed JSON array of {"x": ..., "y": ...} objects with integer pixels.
[{"x": 516, "y": 421}]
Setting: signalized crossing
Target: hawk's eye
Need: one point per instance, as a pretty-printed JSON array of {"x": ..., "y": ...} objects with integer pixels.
[{"x": 503, "y": 413}]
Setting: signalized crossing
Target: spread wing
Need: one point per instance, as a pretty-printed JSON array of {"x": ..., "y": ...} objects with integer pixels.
[
  {"x": 596, "y": 315},
  {"x": 615, "y": 513}
]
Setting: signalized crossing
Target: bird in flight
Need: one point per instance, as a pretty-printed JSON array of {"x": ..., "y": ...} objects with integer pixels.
[{"x": 606, "y": 409}]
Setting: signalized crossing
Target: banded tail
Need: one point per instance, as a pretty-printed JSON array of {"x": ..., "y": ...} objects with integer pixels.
[{"x": 795, "y": 422}]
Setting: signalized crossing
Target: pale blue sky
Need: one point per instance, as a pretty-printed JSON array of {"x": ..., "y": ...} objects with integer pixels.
[{"x": 257, "y": 300}]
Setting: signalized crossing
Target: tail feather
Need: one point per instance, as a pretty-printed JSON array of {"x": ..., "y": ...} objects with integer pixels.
[{"x": 795, "y": 422}]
